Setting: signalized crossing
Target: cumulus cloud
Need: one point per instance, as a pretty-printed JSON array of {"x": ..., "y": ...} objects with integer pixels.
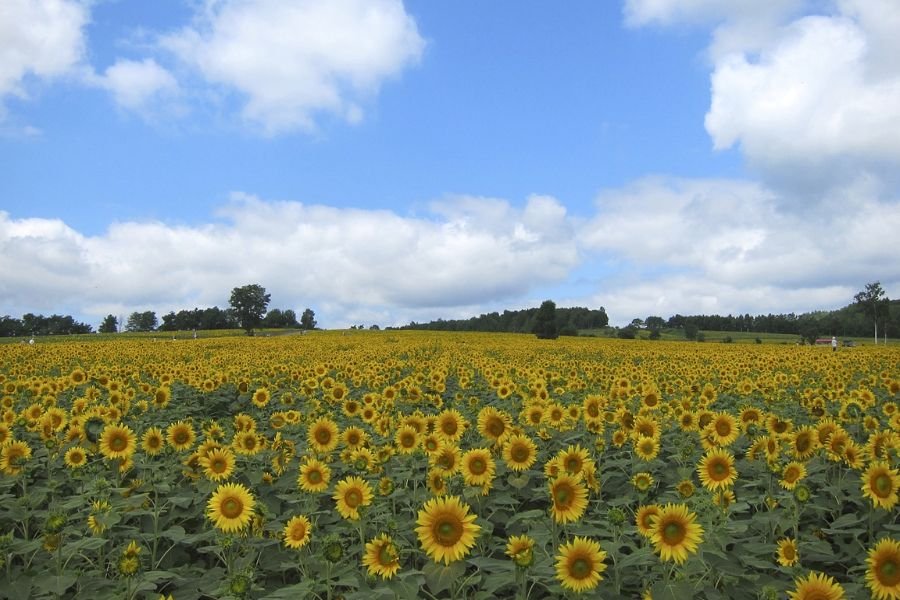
[
  {"x": 139, "y": 86},
  {"x": 694, "y": 246},
  {"x": 293, "y": 60},
  {"x": 40, "y": 38},
  {"x": 810, "y": 100},
  {"x": 358, "y": 262}
]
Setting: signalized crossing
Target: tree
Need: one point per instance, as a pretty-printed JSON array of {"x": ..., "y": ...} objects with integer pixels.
[
  {"x": 109, "y": 325},
  {"x": 141, "y": 321},
  {"x": 308, "y": 319},
  {"x": 873, "y": 302},
  {"x": 545, "y": 321},
  {"x": 691, "y": 331},
  {"x": 249, "y": 303}
]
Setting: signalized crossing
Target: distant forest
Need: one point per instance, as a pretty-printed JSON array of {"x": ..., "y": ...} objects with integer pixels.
[
  {"x": 850, "y": 321},
  {"x": 568, "y": 321}
]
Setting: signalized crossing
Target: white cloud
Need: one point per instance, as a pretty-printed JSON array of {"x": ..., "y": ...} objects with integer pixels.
[
  {"x": 294, "y": 60},
  {"x": 39, "y": 38},
  {"x": 703, "y": 246},
  {"x": 811, "y": 100},
  {"x": 359, "y": 262},
  {"x": 139, "y": 85}
]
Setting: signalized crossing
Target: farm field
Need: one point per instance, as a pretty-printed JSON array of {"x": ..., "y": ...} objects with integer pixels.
[{"x": 435, "y": 465}]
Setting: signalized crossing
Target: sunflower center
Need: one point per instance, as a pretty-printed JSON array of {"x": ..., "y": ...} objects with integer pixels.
[
  {"x": 888, "y": 573},
  {"x": 562, "y": 496},
  {"x": 673, "y": 533},
  {"x": 477, "y": 466},
  {"x": 232, "y": 508},
  {"x": 449, "y": 427},
  {"x": 520, "y": 453},
  {"x": 723, "y": 428},
  {"x": 882, "y": 487},
  {"x": 323, "y": 436},
  {"x": 802, "y": 443},
  {"x": 580, "y": 568},
  {"x": 386, "y": 554},
  {"x": 298, "y": 532},
  {"x": 788, "y": 552},
  {"x": 218, "y": 466},
  {"x": 496, "y": 427},
  {"x": 447, "y": 533},
  {"x": 408, "y": 441},
  {"x": 314, "y": 477},
  {"x": 181, "y": 437},
  {"x": 573, "y": 465},
  {"x": 353, "y": 498},
  {"x": 719, "y": 469},
  {"x": 593, "y": 411},
  {"x": 118, "y": 443}
]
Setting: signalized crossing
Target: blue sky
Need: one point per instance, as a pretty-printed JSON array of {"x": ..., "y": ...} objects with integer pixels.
[{"x": 381, "y": 161}]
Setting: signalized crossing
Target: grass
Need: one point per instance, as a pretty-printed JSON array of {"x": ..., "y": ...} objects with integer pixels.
[{"x": 737, "y": 337}]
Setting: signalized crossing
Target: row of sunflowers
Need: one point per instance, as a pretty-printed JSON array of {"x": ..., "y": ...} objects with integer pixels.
[{"x": 437, "y": 465}]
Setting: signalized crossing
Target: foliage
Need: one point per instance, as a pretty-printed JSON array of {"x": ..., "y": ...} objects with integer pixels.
[
  {"x": 199, "y": 318},
  {"x": 874, "y": 303},
  {"x": 141, "y": 321},
  {"x": 308, "y": 319},
  {"x": 519, "y": 321},
  {"x": 31, "y": 324},
  {"x": 545, "y": 327},
  {"x": 277, "y": 318},
  {"x": 249, "y": 303},
  {"x": 110, "y": 324}
]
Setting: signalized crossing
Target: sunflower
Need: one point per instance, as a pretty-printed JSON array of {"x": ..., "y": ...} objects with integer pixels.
[
  {"x": 642, "y": 481},
  {"x": 791, "y": 474},
  {"x": 644, "y": 519},
  {"x": 569, "y": 496},
  {"x": 675, "y": 532},
  {"x": 247, "y": 443},
  {"x": 573, "y": 459},
  {"x": 493, "y": 424},
  {"x": 230, "y": 507},
  {"x": 787, "y": 552},
  {"x": 685, "y": 488},
  {"x": 260, "y": 398},
  {"x": 76, "y": 457},
  {"x": 218, "y": 464},
  {"x": 446, "y": 460},
  {"x": 645, "y": 426},
  {"x": 152, "y": 442},
  {"x": 314, "y": 476},
  {"x": 406, "y": 439},
  {"x": 647, "y": 448},
  {"x": 880, "y": 484},
  {"x": 883, "y": 574},
  {"x": 450, "y": 425},
  {"x": 350, "y": 494},
  {"x": 180, "y": 436},
  {"x": 816, "y": 586},
  {"x": 12, "y": 456},
  {"x": 519, "y": 452},
  {"x": 117, "y": 441},
  {"x": 804, "y": 442},
  {"x": 432, "y": 443},
  {"x": 477, "y": 467},
  {"x": 323, "y": 435},
  {"x": 446, "y": 530},
  {"x": 723, "y": 429},
  {"x": 579, "y": 564},
  {"x": 716, "y": 470},
  {"x": 354, "y": 437},
  {"x": 296, "y": 532},
  {"x": 381, "y": 557},
  {"x": 520, "y": 548}
]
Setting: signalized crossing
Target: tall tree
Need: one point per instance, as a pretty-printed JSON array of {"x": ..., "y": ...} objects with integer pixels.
[
  {"x": 308, "y": 319},
  {"x": 545, "y": 321},
  {"x": 249, "y": 303},
  {"x": 109, "y": 325},
  {"x": 141, "y": 321},
  {"x": 873, "y": 301}
]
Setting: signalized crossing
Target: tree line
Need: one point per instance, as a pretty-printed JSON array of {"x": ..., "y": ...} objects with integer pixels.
[
  {"x": 565, "y": 321},
  {"x": 248, "y": 310}
]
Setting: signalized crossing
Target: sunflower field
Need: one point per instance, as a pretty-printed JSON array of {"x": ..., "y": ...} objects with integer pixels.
[{"x": 435, "y": 465}]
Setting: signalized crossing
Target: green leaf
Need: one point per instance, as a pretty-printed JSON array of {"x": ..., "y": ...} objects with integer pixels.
[
  {"x": 56, "y": 584},
  {"x": 440, "y": 578},
  {"x": 298, "y": 590},
  {"x": 675, "y": 590}
]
